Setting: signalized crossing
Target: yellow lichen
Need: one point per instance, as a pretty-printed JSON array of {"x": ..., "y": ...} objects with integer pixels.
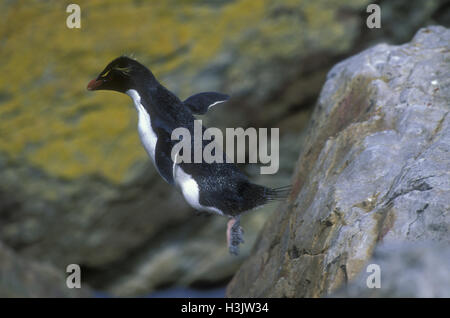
[{"x": 47, "y": 117}]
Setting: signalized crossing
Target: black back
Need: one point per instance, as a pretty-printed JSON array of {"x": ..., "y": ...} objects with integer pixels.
[{"x": 222, "y": 185}]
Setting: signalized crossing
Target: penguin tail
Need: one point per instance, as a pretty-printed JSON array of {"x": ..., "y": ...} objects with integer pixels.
[
  {"x": 256, "y": 195},
  {"x": 277, "y": 194}
]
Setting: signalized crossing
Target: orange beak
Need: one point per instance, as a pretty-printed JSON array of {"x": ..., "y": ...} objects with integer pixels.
[{"x": 94, "y": 84}]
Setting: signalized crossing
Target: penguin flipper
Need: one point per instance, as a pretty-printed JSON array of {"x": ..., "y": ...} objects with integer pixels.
[
  {"x": 200, "y": 103},
  {"x": 163, "y": 159}
]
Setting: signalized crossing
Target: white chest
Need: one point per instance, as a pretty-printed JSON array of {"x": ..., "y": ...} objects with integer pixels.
[
  {"x": 191, "y": 190},
  {"x": 146, "y": 132}
]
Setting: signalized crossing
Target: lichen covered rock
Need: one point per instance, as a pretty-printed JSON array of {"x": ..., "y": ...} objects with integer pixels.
[{"x": 76, "y": 185}]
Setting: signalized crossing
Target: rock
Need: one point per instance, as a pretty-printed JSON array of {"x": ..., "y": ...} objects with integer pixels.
[
  {"x": 20, "y": 277},
  {"x": 374, "y": 168},
  {"x": 406, "y": 270},
  {"x": 76, "y": 185},
  {"x": 401, "y": 19}
]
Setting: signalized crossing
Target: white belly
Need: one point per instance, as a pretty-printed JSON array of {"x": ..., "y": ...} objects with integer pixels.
[
  {"x": 146, "y": 132},
  {"x": 190, "y": 190},
  {"x": 184, "y": 181}
]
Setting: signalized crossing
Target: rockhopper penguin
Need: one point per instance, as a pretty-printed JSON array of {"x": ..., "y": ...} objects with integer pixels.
[{"x": 209, "y": 187}]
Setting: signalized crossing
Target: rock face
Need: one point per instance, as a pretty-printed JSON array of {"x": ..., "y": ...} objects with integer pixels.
[
  {"x": 75, "y": 184},
  {"x": 20, "y": 277},
  {"x": 406, "y": 270},
  {"x": 375, "y": 168}
]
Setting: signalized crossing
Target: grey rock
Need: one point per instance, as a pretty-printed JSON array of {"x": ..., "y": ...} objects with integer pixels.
[
  {"x": 406, "y": 270},
  {"x": 375, "y": 167},
  {"x": 21, "y": 277}
]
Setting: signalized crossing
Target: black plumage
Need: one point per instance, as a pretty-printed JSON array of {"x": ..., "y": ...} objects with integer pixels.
[{"x": 211, "y": 187}]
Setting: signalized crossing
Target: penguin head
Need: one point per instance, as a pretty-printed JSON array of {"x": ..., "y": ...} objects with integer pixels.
[{"x": 121, "y": 74}]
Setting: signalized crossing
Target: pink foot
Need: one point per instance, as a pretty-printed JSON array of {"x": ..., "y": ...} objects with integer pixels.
[
  {"x": 229, "y": 226},
  {"x": 234, "y": 235}
]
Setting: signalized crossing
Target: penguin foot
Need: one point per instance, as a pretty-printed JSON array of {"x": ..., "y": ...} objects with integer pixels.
[{"x": 234, "y": 235}]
